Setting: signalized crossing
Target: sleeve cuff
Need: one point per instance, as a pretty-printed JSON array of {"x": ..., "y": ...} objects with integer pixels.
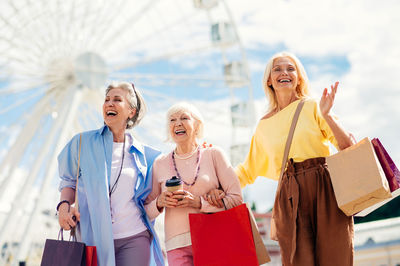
[
  {"x": 152, "y": 210},
  {"x": 65, "y": 183}
]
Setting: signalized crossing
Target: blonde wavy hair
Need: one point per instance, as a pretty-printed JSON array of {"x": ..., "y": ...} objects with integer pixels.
[{"x": 302, "y": 89}]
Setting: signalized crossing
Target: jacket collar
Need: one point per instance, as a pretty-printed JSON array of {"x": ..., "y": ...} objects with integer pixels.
[{"x": 136, "y": 145}]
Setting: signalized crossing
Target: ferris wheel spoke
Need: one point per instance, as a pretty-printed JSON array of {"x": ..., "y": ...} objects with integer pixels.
[
  {"x": 166, "y": 76},
  {"x": 16, "y": 43},
  {"x": 101, "y": 25},
  {"x": 21, "y": 102},
  {"x": 171, "y": 79},
  {"x": 51, "y": 171},
  {"x": 16, "y": 150},
  {"x": 157, "y": 32},
  {"x": 129, "y": 23},
  {"x": 23, "y": 88},
  {"x": 164, "y": 98},
  {"x": 150, "y": 59},
  {"x": 48, "y": 147}
]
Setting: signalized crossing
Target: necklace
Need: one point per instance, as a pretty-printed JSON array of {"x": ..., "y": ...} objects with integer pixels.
[
  {"x": 114, "y": 187},
  {"x": 185, "y": 157},
  {"x": 197, "y": 170}
]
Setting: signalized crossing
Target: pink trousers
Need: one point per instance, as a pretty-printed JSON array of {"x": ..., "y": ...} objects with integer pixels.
[{"x": 180, "y": 256}]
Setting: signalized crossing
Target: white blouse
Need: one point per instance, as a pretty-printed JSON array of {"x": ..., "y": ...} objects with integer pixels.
[{"x": 124, "y": 213}]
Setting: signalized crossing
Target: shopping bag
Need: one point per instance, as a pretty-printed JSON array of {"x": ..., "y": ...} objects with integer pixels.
[
  {"x": 261, "y": 250},
  {"x": 389, "y": 168},
  {"x": 90, "y": 251},
  {"x": 368, "y": 210},
  {"x": 91, "y": 256},
  {"x": 63, "y": 253},
  {"x": 223, "y": 238},
  {"x": 357, "y": 178}
]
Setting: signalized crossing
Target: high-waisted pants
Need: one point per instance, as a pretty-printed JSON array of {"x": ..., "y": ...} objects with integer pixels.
[{"x": 310, "y": 227}]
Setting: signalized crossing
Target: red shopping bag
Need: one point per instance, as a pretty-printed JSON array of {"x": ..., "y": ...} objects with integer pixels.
[
  {"x": 91, "y": 256},
  {"x": 389, "y": 168},
  {"x": 223, "y": 238}
]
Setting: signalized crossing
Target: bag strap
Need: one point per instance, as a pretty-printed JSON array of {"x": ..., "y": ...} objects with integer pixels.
[
  {"x": 73, "y": 230},
  {"x": 219, "y": 183},
  {"x": 290, "y": 137},
  {"x": 77, "y": 172}
]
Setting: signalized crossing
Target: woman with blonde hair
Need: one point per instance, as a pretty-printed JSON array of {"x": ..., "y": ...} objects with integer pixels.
[{"x": 310, "y": 227}]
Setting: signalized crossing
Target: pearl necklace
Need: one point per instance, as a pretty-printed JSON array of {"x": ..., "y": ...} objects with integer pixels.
[{"x": 185, "y": 157}]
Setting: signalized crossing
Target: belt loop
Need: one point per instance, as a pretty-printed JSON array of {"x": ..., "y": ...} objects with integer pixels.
[{"x": 290, "y": 166}]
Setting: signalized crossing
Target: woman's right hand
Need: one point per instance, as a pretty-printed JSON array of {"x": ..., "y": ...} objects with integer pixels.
[
  {"x": 165, "y": 200},
  {"x": 65, "y": 217}
]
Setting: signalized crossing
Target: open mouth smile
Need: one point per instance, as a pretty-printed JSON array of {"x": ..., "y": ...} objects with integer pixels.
[
  {"x": 111, "y": 113},
  {"x": 180, "y": 132},
  {"x": 284, "y": 80}
]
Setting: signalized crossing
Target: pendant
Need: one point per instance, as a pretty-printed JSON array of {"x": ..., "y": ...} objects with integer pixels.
[{"x": 112, "y": 216}]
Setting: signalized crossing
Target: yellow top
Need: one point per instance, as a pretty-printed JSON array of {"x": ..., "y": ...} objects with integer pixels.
[{"x": 311, "y": 139}]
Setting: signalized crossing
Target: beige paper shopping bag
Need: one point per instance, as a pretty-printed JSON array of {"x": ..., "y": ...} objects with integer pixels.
[
  {"x": 261, "y": 250},
  {"x": 357, "y": 178}
]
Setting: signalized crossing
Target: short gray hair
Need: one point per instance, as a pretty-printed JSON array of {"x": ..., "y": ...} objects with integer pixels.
[
  {"x": 135, "y": 100},
  {"x": 190, "y": 108}
]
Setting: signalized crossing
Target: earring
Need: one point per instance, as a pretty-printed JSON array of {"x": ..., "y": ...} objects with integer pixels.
[{"x": 130, "y": 123}]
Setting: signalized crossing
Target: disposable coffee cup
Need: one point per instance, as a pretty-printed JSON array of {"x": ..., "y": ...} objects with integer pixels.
[{"x": 174, "y": 184}]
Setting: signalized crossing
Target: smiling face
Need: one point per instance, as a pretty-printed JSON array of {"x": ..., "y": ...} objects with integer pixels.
[
  {"x": 182, "y": 127},
  {"x": 116, "y": 109},
  {"x": 283, "y": 75}
]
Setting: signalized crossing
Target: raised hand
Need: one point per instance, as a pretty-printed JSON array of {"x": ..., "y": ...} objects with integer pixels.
[{"x": 327, "y": 99}]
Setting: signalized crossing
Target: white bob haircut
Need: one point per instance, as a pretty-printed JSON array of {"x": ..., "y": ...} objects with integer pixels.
[{"x": 193, "y": 111}]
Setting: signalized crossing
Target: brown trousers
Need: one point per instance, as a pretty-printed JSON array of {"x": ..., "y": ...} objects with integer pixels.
[{"x": 311, "y": 229}]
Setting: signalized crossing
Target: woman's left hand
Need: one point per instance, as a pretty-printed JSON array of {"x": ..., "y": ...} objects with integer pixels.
[
  {"x": 186, "y": 199},
  {"x": 214, "y": 197},
  {"x": 327, "y": 99}
]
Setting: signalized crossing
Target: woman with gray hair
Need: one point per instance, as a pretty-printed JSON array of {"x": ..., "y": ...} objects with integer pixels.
[
  {"x": 198, "y": 170},
  {"x": 115, "y": 177}
]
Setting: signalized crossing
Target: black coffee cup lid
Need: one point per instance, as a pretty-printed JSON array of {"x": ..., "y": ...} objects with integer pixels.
[{"x": 174, "y": 181}]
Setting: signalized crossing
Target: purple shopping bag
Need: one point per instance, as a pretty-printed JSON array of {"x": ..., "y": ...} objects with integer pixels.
[
  {"x": 392, "y": 173},
  {"x": 63, "y": 253}
]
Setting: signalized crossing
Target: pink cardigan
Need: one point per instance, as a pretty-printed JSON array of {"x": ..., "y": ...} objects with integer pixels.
[{"x": 214, "y": 167}]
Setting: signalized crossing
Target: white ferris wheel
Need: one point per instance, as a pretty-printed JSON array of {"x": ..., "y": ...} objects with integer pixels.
[{"x": 57, "y": 56}]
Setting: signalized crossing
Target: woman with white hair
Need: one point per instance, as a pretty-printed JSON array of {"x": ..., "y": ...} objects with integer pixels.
[
  {"x": 200, "y": 169},
  {"x": 115, "y": 177}
]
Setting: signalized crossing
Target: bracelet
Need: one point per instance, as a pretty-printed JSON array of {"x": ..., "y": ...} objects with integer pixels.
[{"x": 61, "y": 202}]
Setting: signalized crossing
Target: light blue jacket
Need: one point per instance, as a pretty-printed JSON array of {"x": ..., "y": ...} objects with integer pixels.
[{"x": 93, "y": 187}]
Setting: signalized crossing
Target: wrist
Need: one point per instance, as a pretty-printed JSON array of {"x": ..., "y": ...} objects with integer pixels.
[
  {"x": 198, "y": 202},
  {"x": 158, "y": 206},
  {"x": 327, "y": 116},
  {"x": 63, "y": 203}
]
